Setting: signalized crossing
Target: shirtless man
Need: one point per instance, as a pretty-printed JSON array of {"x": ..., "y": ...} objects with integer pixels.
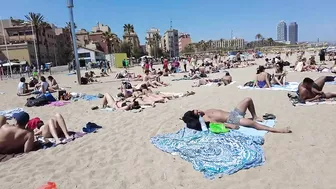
[
  {"x": 15, "y": 138},
  {"x": 310, "y": 90},
  {"x": 231, "y": 119}
]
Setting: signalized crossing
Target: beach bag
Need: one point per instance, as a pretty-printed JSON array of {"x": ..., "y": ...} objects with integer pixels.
[
  {"x": 50, "y": 97},
  {"x": 40, "y": 101},
  {"x": 84, "y": 81}
]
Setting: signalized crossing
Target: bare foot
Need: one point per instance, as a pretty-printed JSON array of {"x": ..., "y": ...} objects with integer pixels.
[
  {"x": 258, "y": 119},
  {"x": 285, "y": 130}
]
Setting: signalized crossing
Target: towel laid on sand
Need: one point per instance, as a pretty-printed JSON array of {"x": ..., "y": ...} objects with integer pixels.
[
  {"x": 214, "y": 155},
  {"x": 86, "y": 97},
  {"x": 254, "y": 132},
  {"x": 291, "y": 86},
  {"x": 331, "y": 83},
  {"x": 9, "y": 113},
  {"x": 59, "y": 103},
  {"x": 294, "y": 99},
  {"x": 183, "y": 78},
  {"x": 214, "y": 83}
]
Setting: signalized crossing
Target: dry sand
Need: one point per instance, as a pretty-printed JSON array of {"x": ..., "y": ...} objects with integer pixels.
[{"x": 121, "y": 156}]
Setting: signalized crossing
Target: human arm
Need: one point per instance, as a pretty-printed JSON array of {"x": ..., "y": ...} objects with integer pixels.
[
  {"x": 29, "y": 143},
  {"x": 255, "y": 82},
  {"x": 317, "y": 97},
  {"x": 37, "y": 132},
  {"x": 268, "y": 81}
]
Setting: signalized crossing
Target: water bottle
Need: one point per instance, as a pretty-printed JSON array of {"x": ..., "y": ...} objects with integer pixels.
[{"x": 203, "y": 125}]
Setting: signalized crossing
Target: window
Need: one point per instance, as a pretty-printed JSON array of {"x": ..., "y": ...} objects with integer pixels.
[{"x": 84, "y": 55}]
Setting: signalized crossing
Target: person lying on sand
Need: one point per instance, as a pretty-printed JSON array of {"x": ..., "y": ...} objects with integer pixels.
[
  {"x": 122, "y": 104},
  {"x": 53, "y": 85},
  {"x": 262, "y": 78},
  {"x": 231, "y": 119},
  {"x": 310, "y": 90},
  {"x": 55, "y": 127},
  {"x": 14, "y": 137}
]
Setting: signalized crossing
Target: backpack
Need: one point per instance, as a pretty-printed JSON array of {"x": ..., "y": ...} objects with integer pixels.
[
  {"x": 84, "y": 81},
  {"x": 39, "y": 101}
]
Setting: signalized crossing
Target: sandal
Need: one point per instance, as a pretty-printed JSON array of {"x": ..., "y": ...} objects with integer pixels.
[{"x": 268, "y": 116}]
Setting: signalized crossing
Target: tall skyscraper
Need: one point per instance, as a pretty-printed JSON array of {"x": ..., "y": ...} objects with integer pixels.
[
  {"x": 282, "y": 31},
  {"x": 293, "y": 33}
]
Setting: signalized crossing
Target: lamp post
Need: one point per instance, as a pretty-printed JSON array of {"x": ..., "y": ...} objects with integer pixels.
[{"x": 74, "y": 42}]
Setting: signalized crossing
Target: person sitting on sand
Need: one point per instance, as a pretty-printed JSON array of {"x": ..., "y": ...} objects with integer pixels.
[
  {"x": 151, "y": 80},
  {"x": 227, "y": 79},
  {"x": 33, "y": 82},
  {"x": 42, "y": 87},
  {"x": 262, "y": 78},
  {"x": 53, "y": 85},
  {"x": 310, "y": 90},
  {"x": 22, "y": 89},
  {"x": 279, "y": 75},
  {"x": 268, "y": 64},
  {"x": 231, "y": 119},
  {"x": 15, "y": 138},
  {"x": 55, "y": 127}
]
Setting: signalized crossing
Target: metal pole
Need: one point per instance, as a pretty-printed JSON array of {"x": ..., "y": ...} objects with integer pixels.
[
  {"x": 36, "y": 56},
  {"x": 74, "y": 42},
  {"x": 10, "y": 64}
]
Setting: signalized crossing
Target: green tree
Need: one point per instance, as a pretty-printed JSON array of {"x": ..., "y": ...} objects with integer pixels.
[
  {"x": 128, "y": 29},
  {"x": 36, "y": 19}
]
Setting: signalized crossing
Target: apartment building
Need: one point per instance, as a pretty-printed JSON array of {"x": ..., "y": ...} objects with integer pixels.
[
  {"x": 170, "y": 42},
  {"x": 184, "y": 40}
]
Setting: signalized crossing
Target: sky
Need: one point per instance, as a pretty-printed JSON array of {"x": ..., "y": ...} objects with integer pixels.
[{"x": 203, "y": 20}]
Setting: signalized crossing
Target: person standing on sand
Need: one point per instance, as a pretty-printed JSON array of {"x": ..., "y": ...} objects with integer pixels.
[{"x": 231, "y": 119}]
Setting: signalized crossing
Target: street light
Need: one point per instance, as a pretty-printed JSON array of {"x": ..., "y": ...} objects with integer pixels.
[{"x": 74, "y": 42}]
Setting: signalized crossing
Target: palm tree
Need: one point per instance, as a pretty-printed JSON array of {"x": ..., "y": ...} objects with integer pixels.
[
  {"x": 36, "y": 20},
  {"x": 270, "y": 41},
  {"x": 258, "y": 37},
  {"x": 128, "y": 29},
  {"x": 110, "y": 39}
]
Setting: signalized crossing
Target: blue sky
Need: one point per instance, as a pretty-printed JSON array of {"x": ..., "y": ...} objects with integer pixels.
[{"x": 212, "y": 19}]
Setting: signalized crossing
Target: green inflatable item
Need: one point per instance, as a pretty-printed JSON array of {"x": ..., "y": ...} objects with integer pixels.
[{"x": 218, "y": 128}]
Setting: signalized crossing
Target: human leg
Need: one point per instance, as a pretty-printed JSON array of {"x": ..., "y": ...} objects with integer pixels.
[
  {"x": 329, "y": 95},
  {"x": 319, "y": 82},
  {"x": 51, "y": 130},
  {"x": 60, "y": 123},
  {"x": 108, "y": 100},
  {"x": 250, "y": 123},
  {"x": 247, "y": 103}
]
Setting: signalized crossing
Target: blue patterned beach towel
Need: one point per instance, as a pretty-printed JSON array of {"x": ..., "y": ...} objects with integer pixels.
[{"x": 214, "y": 155}]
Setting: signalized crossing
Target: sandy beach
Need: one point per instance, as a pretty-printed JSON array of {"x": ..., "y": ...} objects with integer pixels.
[{"x": 120, "y": 155}]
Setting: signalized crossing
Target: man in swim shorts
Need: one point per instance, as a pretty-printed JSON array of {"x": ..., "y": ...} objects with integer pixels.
[
  {"x": 310, "y": 90},
  {"x": 231, "y": 119}
]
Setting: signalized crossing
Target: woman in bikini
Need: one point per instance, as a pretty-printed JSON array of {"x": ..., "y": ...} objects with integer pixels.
[
  {"x": 262, "y": 78},
  {"x": 279, "y": 75},
  {"x": 53, "y": 85}
]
